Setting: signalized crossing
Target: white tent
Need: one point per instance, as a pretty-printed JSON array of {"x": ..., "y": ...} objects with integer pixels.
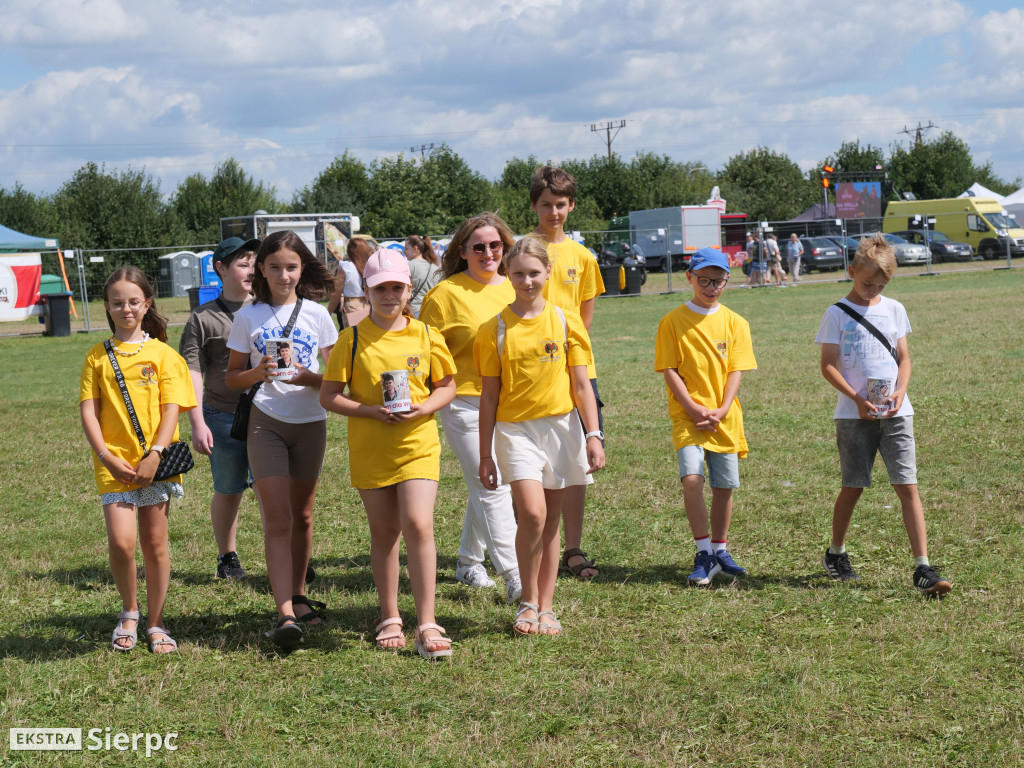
[{"x": 976, "y": 190}]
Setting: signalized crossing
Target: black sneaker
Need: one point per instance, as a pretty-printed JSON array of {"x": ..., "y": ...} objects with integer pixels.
[
  {"x": 929, "y": 582},
  {"x": 228, "y": 567},
  {"x": 838, "y": 567}
]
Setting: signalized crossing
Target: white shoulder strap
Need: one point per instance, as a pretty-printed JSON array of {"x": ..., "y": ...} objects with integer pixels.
[{"x": 501, "y": 329}]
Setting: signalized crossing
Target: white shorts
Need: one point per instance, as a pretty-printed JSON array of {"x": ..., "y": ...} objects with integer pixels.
[{"x": 550, "y": 450}]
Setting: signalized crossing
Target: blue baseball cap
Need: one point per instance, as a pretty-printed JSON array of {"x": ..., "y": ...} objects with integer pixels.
[{"x": 708, "y": 257}]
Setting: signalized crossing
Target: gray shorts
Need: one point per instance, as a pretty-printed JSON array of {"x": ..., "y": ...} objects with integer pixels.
[{"x": 860, "y": 440}]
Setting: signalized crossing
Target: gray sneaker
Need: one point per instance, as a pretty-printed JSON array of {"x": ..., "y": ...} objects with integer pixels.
[
  {"x": 513, "y": 587},
  {"x": 473, "y": 575}
]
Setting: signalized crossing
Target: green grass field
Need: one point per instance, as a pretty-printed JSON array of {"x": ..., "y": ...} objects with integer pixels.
[{"x": 784, "y": 668}]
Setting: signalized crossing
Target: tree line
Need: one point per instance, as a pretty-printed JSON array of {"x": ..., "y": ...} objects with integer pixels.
[{"x": 99, "y": 208}]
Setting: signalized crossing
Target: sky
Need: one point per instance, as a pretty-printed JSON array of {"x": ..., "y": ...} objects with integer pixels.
[{"x": 175, "y": 87}]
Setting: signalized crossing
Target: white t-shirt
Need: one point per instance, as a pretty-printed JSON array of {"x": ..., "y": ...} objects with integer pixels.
[
  {"x": 257, "y": 323},
  {"x": 861, "y": 355},
  {"x": 353, "y": 280}
]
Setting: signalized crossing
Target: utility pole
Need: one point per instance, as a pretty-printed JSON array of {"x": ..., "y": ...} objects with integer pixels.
[
  {"x": 607, "y": 128},
  {"x": 917, "y": 131},
  {"x": 422, "y": 149}
]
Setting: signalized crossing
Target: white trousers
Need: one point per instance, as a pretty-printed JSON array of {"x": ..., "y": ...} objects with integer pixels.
[{"x": 490, "y": 523}]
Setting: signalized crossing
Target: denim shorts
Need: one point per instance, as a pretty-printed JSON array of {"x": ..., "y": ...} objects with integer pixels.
[
  {"x": 723, "y": 468},
  {"x": 229, "y": 461},
  {"x": 860, "y": 440}
]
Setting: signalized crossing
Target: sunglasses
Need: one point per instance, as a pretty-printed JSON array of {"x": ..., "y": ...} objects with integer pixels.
[{"x": 496, "y": 247}]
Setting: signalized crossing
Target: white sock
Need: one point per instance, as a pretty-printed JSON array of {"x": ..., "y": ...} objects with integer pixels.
[
  {"x": 922, "y": 560},
  {"x": 834, "y": 550},
  {"x": 704, "y": 545},
  {"x": 718, "y": 546}
]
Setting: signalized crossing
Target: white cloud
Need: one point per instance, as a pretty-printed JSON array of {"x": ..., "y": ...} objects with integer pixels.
[{"x": 282, "y": 86}]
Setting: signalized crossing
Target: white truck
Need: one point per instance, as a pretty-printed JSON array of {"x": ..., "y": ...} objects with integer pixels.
[
  {"x": 326, "y": 234},
  {"x": 677, "y": 233}
]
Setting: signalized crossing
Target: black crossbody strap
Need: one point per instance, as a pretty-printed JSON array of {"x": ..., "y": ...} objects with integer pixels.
[
  {"x": 124, "y": 392},
  {"x": 870, "y": 328}
]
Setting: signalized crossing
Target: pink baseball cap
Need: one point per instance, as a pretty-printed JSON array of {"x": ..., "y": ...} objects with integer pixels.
[{"x": 386, "y": 266}]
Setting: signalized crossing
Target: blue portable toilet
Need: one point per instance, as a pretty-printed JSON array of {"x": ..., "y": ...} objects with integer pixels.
[{"x": 209, "y": 274}]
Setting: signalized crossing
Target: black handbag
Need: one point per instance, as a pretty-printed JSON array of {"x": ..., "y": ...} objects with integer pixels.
[
  {"x": 240, "y": 423},
  {"x": 176, "y": 458}
]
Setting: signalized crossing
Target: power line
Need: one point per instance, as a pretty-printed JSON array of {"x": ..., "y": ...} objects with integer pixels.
[{"x": 607, "y": 128}]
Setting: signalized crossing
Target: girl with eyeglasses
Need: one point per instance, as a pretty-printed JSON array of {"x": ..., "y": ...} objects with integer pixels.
[
  {"x": 134, "y": 506},
  {"x": 473, "y": 291}
]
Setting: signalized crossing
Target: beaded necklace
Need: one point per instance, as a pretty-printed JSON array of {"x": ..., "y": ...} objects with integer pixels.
[{"x": 145, "y": 338}]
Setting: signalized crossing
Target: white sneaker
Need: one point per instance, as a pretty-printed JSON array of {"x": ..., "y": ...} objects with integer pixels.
[
  {"x": 513, "y": 588},
  {"x": 473, "y": 575}
]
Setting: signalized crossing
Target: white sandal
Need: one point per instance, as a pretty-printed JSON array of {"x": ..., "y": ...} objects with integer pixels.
[
  {"x": 553, "y": 624},
  {"x": 421, "y": 645},
  {"x": 167, "y": 640},
  {"x": 120, "y": 634},
  {"x": 523, "y": 608},
  {"x": 393, "y": 635}
]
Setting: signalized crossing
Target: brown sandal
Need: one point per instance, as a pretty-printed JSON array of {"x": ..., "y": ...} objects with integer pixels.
[{"x": 579, "y": 568}]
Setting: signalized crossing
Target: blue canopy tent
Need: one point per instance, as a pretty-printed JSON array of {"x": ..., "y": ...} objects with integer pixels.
[{"x": 10, "y": 240}]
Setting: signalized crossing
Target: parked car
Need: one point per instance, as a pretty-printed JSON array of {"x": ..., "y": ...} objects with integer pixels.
[
  {"x": 847, "y": 245},
  {"x": 907, "y": 253},
  {"x": 821, "y": 254},
  {"x": 943, "y": 249}
]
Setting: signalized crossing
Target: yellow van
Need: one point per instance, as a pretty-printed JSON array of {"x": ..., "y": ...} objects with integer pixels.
[{"x": 980, "y": 221}]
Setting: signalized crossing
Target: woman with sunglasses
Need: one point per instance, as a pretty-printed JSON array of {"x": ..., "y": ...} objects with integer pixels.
[{"x": 473, "y": 291}]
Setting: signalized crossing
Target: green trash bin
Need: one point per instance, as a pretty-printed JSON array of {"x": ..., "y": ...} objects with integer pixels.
[{"x": 57, "y": 314}]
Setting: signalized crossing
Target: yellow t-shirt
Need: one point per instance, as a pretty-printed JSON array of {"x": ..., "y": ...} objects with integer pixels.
[
  {"x": 575, "y": 278},
  {"x": 380, "y": 454},
  {"x": 534, "y": 363},
  {"x": 154, "y": 377},
  {"x": 456, "y": 307},
  {"x": 704, "y": 350}
]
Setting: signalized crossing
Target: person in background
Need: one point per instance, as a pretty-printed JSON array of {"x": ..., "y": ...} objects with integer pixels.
[
  {"x": 347, "y": 296},
  {"x": 424, "y": 269},
  {"x": 794, "y": 251},
  {"x": 204, "y": 345},
  {"x": 574, "y": 284}
]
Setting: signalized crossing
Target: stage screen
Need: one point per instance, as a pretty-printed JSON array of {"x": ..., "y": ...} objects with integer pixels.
[{"x": 858, "y": 199}]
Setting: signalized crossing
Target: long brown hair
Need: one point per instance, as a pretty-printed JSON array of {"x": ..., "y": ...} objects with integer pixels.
[
  {"x": 316, "y": 282},
  {"x": 153, "y": 323},
  {"x": 425, "y": 248},
  {"x": 453, "y": 263}
]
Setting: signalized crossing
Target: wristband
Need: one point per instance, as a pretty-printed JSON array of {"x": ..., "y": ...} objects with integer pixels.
[
  {"x": 100, "y": 457},
  {"x": 484, "y": 457}
]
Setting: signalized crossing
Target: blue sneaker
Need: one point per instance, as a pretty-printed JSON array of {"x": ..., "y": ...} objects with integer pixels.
[
  {"x": 729, "y": 565},
  {"x": 705, "y": 566}
]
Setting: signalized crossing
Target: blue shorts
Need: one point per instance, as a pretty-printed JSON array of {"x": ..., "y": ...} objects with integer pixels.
[
  {"x": 229, "y": 461},
  {"x": 723, "y": 468}
]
